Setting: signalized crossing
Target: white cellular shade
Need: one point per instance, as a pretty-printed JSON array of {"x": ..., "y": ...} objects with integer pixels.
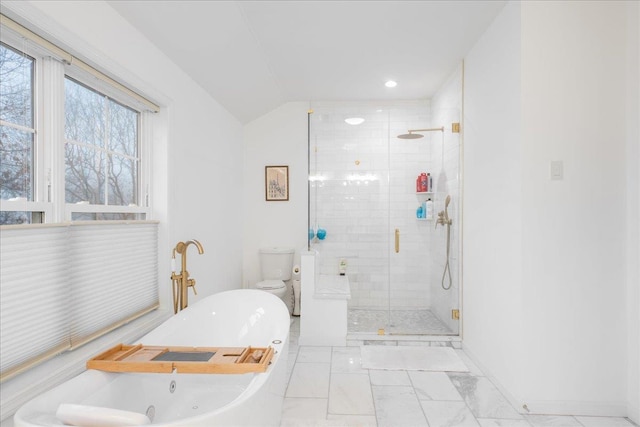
[
  {"x": 34, "y": 296},
  {"x": 61, "y": 286},
  {"x": 114, "y": 276}
]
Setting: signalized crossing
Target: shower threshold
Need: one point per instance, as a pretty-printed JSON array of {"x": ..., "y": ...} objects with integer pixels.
[
  {"x": 358, "y": 339},
  {"x": 415, "y": 326}
]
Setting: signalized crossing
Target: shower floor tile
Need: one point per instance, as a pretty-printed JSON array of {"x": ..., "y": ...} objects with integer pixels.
[{"x": 402, "y": 322}]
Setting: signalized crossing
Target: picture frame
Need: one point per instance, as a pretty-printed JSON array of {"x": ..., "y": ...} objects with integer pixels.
[{"x": 276, "y": 183}]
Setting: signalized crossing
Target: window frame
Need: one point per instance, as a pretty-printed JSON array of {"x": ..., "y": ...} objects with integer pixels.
[
  {"x": 142, "y": 207},
  {"x": 41, "y": 203},
  {"x": 49, "y": 199},
  {"x": 49, "y": 140}
]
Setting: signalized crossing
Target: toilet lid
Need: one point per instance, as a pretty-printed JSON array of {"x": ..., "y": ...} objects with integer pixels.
[{"x": 270, "y": 284}]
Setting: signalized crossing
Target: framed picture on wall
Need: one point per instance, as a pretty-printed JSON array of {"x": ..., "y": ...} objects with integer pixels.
[{"x": 276, "y": 181}]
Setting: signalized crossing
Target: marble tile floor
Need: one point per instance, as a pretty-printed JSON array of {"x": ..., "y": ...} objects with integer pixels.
[
  {"x": 328, "y": 387},
  {"x": 397, "y": 322}
]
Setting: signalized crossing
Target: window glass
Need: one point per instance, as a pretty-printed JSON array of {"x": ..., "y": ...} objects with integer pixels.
[
  {"x": 102, "y": 159},
  {"x": 16, "y": 129},
  {"x": 20, "y": 217},
  {"x": 122, "y": 178},
  {"x": 123, "y": 160},
  {"x": 84, "y": 175},
  {"x": 123, "y": 129},
  {"x": 100, "y": 216},
  {"x": 16, "y": 163},
  {"x": 84, "y": 112},
  {"x": 16, "y": 87}
]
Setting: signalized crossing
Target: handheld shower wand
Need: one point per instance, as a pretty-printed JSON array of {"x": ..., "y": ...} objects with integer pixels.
[{"x": 443, "y": 219}]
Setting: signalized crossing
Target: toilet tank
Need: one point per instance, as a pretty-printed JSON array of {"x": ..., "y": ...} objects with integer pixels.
[{"x": 276, "y": 263}]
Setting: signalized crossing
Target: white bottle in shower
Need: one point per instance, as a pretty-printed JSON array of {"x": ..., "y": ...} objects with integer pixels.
[
  {"x": 429, "y": 209},
  {"x": 342, "y": 267}
]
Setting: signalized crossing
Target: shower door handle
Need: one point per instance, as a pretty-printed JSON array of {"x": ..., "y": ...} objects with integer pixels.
[{"x": 397, "y": 240}]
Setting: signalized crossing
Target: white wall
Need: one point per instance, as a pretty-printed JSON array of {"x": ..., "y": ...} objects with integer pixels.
[
  {"x": 277, "y": 138},
  {"x": 545, "y": 262},
  {"x": 633, "y": 210},
  {"x": 492, "y": 217},
  {"x": 573, "y": 92}
]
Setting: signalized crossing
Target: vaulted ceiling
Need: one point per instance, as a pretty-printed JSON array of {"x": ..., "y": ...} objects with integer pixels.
[{"x": 253, "y": 56}]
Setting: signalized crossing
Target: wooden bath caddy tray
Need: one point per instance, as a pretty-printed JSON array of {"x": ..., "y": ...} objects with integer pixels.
[{"x": 190, "y": 360}]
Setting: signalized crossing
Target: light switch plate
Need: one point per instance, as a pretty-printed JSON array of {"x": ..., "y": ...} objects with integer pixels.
[{"x": 556, "y": 170}]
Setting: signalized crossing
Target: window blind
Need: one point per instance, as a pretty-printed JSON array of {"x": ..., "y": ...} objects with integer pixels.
[
  {"x": 114, "y": 276},
  {"x": 34, "y": 298},
  {"x": 64, "y": 285}
]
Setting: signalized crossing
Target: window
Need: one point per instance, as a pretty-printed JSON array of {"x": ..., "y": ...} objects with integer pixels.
[
  {"x": 74, "y": 145},
  {"x": 101, "y": 151},
  {"x": 86, "y": 158},
  {"x": 17, "y": 132}
]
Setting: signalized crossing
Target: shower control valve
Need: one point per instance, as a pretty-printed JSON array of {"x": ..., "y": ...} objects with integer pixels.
[
  {"x": 443, "y": 219},
  {"x": 440, "y": 219}
]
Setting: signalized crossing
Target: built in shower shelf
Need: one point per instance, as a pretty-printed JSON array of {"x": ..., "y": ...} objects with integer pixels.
[
  {"x": 427, "y": 194},
  {"x": 423, "y": 196},
  {"x": 191, "y": 360}
]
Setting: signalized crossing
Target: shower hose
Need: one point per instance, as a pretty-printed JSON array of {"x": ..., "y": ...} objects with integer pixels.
[{"x": 446, "y": 266}]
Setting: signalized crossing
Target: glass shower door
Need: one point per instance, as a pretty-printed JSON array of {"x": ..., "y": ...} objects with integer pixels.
[
  {"x": 421, "y": 302},
  {"x": 409, "y": 260}
]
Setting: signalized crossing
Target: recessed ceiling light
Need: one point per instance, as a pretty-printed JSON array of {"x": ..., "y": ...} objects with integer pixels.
[
  {"x": 354, "y": 120},
  {"x": 391, "y": 83}
]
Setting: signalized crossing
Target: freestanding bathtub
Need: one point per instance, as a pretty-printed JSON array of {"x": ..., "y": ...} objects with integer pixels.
[{"x": 237, "y": 318}]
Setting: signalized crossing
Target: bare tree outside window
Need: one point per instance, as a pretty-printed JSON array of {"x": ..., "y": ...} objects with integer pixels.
[
  {"x": 16, "y": 130},
  {"x": 123, "y": 170},
  {"x": 102, "y": 159}
]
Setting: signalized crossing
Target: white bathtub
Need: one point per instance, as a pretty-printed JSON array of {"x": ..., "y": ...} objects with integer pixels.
[{"x": 229, "y": 319}]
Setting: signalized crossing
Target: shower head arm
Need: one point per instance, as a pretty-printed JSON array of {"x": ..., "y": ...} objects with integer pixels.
[{"x": 441, "y": 129}]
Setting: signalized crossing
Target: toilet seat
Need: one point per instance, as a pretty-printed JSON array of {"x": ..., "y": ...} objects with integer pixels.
[{"x": 270, "y": 284}]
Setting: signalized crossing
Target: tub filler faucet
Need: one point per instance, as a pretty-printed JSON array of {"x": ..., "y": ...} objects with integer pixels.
[{"x": 181, "y": 282}]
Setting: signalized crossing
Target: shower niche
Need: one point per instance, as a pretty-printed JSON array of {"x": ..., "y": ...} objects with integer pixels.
[
  {"x": 427, "y": 213},
  {"x": 362, "y": 191}
]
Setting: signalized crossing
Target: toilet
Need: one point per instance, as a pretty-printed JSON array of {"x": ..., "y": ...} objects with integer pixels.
[{"x": 275, "y": 266}]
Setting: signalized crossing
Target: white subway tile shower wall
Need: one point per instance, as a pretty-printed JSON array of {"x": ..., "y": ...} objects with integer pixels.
[{"x": 360, "y": 203}]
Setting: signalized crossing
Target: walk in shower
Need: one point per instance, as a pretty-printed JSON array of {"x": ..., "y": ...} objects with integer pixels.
[{"x": 364, "y": 208}]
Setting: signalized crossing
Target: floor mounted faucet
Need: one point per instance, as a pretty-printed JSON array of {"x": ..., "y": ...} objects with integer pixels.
[{"x": 181, "y": 282}]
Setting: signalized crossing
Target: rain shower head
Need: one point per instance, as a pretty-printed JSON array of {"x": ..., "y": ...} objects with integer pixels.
[{"x": 412, "y": 135}]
